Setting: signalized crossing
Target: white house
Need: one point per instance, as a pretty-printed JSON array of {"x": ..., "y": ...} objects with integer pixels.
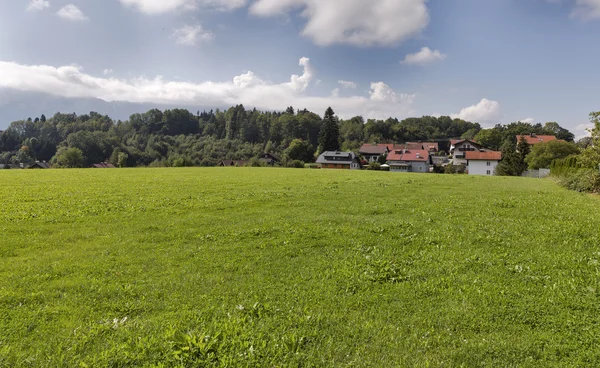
[
  {"x": 458, "y": 150},
  {"x": 482, "y": 162}
]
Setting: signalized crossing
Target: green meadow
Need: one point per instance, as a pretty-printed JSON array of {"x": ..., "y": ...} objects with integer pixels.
[{"x": 255, "y": 267}]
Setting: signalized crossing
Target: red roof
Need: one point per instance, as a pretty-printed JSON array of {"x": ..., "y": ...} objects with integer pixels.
[
  {"x": 483, "y": 156},
  {"x": 370, "y": 149},
  {"x": 536, "y": 139},
  {"x": 390, "y": 146},
  {"x": 408, "y": 155}
]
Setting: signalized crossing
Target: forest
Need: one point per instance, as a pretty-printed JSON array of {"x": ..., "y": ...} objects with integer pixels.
[{"x": 178, "y": 137}]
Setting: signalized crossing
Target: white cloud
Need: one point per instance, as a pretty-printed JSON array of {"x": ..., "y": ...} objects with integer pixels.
[
  {"x": 38, "y": 5},
  {"x": 165, "y": 6},
  {"x": 107, "y": 71},
  {"x": 191, "y": 35},
  {"x": 347, "y": 84},
  {"x": 335, "y": 92},
  {"x": 528, "y": 120},
  {"x": 485, "y": 112},
  {"x": 587, "y": 9},
  {"x": 354, "y": 22},
  {"x": 425, "y": 56},
  {"x": 248, "y": 89},
  {"x": 583, "y": 130},
  {"x": 72, "y": 13}
]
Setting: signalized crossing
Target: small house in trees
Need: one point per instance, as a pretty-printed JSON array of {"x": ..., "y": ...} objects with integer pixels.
[
  {"x": 103, "y": 165},
  {"x": 371, "y": 152},
  {"x": 482, "y": 162},
  {"x": 407, "y": 160},
  {"x": 338, "y": 160},
  {"x": 232, "y": 163},
  {"x": 533, "y": 139},
  {"x": 459, "y": 149},
  {"x": 40, "y": 165},
  {"x": 269, "y": 159}
]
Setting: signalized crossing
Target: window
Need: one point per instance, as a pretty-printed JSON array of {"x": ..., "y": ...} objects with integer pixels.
[
  {"x": 489, "y": 163},
  {"x": 489, "y": 172}
]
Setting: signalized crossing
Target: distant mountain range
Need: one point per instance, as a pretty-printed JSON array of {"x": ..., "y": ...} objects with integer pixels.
[{"x": 17, "y": 105}]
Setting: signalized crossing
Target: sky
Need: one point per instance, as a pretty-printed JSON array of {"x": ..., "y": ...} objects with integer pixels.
[{"x": 492, "y": 61}]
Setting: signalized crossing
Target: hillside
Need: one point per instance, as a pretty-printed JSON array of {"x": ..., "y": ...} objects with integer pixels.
[{"x": 277, "y": 267}]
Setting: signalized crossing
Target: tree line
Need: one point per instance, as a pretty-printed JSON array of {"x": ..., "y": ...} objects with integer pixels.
[{"x": 178, "y": 137}]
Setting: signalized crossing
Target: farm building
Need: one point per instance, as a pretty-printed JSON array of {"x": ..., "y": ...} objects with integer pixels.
[
  {"x": 482, "y": 162},
  {"x": 407, "y": 160},
  {"x": 338, "y": 160}
]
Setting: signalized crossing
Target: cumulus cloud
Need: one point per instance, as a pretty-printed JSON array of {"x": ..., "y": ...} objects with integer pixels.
[
  {"x": 191, "y": 35},
  {"x": 354, "y": 22},
  {"x": 583, "y": 130},
  {"x": 484, "y": 112},
  {"x": 108, "y": 71},
  {"x": 528, "y": 120},
  {"x": 72, "y": 13},
  {"x": 347, "y": 84},
  {"x": 425, "y": 56},
  {"x": 38, "y": 5},
  {"x": 248, "y": 89},
  {"x": 165, "y": 6}
]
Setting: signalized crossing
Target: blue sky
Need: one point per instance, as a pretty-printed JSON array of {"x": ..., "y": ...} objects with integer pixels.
[{"x": 492, "y": 61}]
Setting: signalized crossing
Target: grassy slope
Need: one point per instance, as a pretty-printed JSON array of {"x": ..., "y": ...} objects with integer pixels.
[{"x": 270, "y": 267}]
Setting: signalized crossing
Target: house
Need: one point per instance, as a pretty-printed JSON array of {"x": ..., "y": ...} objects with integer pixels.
[
  {"x": 371, "y": 153},
  {"x": 269, "y": 159},
  {"x": 338, "y": 160},
  {"x": 233, "y": 163},
  {"x": 432, "y": 147},
  {"x": 40, "y": 165},
  {"x": 533, "y": 139},
  {"x": 482, "y": 162},
  {"x": 103, "y": 165},
  {"x": 409, "y": 146},
  {"x": 459, "y": 148},
  {"x": 405, "y": 160}
]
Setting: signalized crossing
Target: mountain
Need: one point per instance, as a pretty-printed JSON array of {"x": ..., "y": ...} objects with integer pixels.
[{"x": 18, "y": 105}]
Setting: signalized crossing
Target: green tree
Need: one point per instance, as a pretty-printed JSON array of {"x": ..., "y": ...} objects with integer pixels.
[
  {"x": 590, "y": 157},
  {"x": 300, "y": 150},
  {"x": 329, "y": 137},
  {"x": 122, "y": 159},
  {"x": 491, "y": 138},
  {"x": 543, "y": 154},
  {"x": 69, "y": 158},
  {"x": 513, "y": 161}
]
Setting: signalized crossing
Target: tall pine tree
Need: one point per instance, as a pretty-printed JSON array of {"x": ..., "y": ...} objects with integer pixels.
[{"x": 329, "y": 136}]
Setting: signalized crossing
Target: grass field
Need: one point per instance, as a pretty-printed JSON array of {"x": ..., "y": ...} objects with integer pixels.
[{"x": 278, "y": 268}]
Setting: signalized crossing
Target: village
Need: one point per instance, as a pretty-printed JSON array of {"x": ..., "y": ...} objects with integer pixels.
[{"x": 463, "y": 155}]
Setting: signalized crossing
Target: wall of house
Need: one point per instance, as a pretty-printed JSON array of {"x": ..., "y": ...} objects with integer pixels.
[
  {"x": 416, "y": 167},
  {"x": 420, "y": 167},
  {"x": 371, "y": 158},
  {"x": 478, "y": 167}
]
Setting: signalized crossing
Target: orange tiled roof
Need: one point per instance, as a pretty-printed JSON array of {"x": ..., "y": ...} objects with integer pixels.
[{"x": 483, "y": 156}]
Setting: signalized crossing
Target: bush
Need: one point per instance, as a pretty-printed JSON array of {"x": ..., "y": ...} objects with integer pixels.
[
  {"x": 455, "y": 169},
  {"x": 374, "y": 166},
  {"x": 582, "y": 180},
  {"x": 296, "y": 164}
]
